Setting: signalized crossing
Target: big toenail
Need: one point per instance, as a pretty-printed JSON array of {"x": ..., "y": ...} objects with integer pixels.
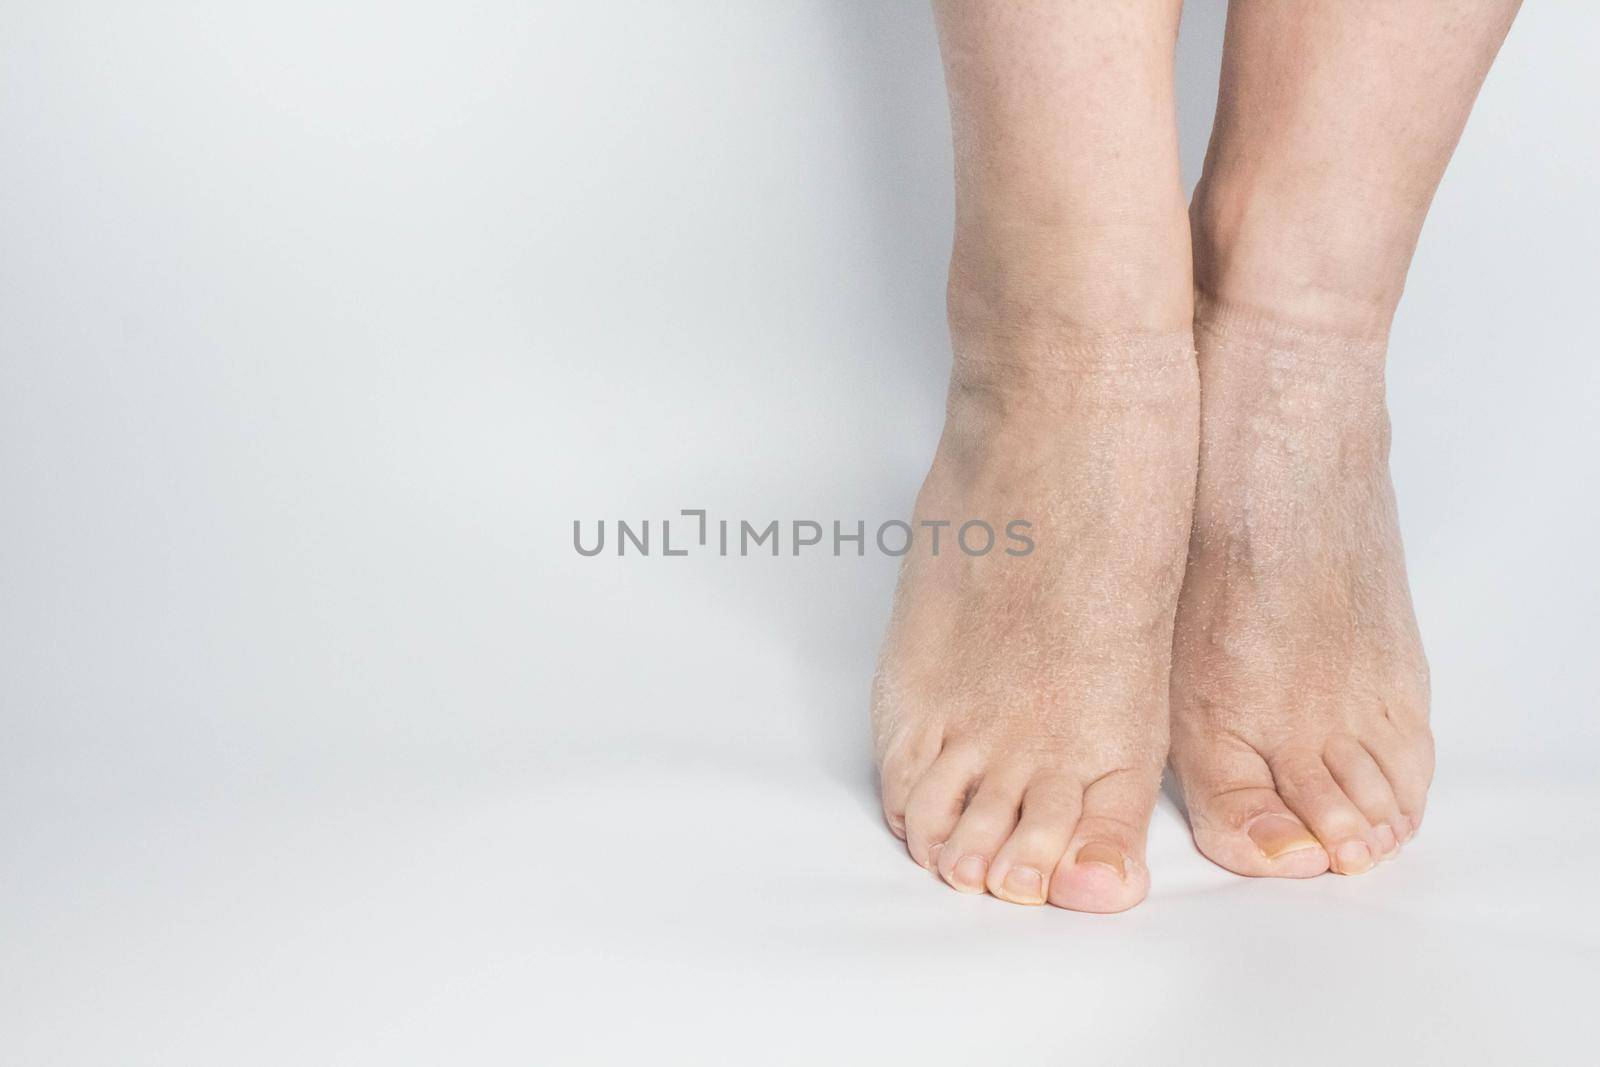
[
  {"x": 969, "y": 874},
  {"x": 933, "y": 855},
  {"x": 1279, "y": 835},
  {"x": 1354, "y": 858},
  {"x": 1104, "y": 855},
  {"x": 1024, "y": 886},
  {"x": 1388, "y": 842}
]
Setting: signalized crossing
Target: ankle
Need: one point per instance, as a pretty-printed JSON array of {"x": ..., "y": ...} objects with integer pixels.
[
  {"x": 1281, "y": 388},
  {"x": 1263, "y": 333},
  {"x": 1055, "y": 281},
  {"x": 1019, "y": 395},
  {"x": 1031, "y": 370},
  {"x": 1295, "y": 264}
]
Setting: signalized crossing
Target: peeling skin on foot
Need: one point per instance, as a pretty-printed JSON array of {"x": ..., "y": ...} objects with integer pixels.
[
  {"x": 1019, "y": 708},
  {"x": 1300, "y": 689}
]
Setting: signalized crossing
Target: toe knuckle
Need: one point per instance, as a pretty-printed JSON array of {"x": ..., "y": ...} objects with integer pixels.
[
  {"x": 1342, "y": 746},
  {"x": 1108, "y": 828},
  {"x": 1299, "y": 765}
]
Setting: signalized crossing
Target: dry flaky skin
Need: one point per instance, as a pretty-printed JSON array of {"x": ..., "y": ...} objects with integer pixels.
[
  {"x": 1033, "y": 689},
  {"x": 1299, "y": 688}
]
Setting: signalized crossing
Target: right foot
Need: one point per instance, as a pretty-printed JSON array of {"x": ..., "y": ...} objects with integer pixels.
[{"x": 1020, "y": 707}]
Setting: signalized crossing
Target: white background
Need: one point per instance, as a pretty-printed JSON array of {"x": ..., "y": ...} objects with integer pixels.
[{"x": 321, "y": 323}]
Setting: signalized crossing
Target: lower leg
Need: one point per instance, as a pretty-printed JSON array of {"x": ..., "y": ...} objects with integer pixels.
[
  {"x": 1335, "y": 121},
  {"x": 1020, "y": 704},
  {"x": 1070, "y": 220},
  {"x": 1300, "y": 690}
]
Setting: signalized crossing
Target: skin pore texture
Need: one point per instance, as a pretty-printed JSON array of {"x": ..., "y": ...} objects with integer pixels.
[
  {"x": 1021, "y": 702},
  {"x": 1198, "y": 436},
  {"x": 1020, "y": 708},
  {"x": 1300, "y": 691}
]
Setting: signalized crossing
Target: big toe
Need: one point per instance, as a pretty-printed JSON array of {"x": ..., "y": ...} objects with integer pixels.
[
  {"x": 1241, "y": 823},
  {"x": 1104, "y": 869}
]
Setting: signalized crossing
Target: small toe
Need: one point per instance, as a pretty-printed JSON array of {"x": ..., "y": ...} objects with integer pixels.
[
  {"x": 1407, "y": 764},
  {"x": 1020, "y": 871},
  {"x": 905, "y": 762},
  {"x": 1103, "y": 869},
  {"x": 989, "y": 819},
  {"x": 1309, "y": 789},
  {"x": 1359, "y": 775},
  {"x": 936, "y": 803}
]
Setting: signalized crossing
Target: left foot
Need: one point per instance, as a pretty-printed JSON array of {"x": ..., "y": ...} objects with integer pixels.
[{"x": 1299, "y": 688}]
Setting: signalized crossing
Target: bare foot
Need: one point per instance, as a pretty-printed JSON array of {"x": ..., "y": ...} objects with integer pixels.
[
  {"x": 1020, "y": 708},
  {"x": 1299, "y": 690}
]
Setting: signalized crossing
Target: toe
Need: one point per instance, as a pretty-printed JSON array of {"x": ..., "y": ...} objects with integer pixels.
[
  {"x": 1407, "y": 764},
  {"x": 1358, "y": 774},
  {"x": 1103, "y": 869},
  {"x": 1241, "y": 823},
  {"x": 904, "y": 764},
  {"x": 989, "y": 819},
  {"x": 1308, "y": 788},
  {"x": 1021, "y": 869},
  {"x": 936, "y": 802}
]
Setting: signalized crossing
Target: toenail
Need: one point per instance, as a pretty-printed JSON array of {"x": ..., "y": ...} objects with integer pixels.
[
  {"x": 933, "y": 855},
  {"x": 1279, "y": 835},
  {"x": 1104, "y": 855},
  {"x": 969, "y": 873},
  {"x": 1354, "y": 858},
  {"x": 1404, "y": 828},
  {"x": 1388, "y": 840},
  {"x": 1023, "y": 885}
]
